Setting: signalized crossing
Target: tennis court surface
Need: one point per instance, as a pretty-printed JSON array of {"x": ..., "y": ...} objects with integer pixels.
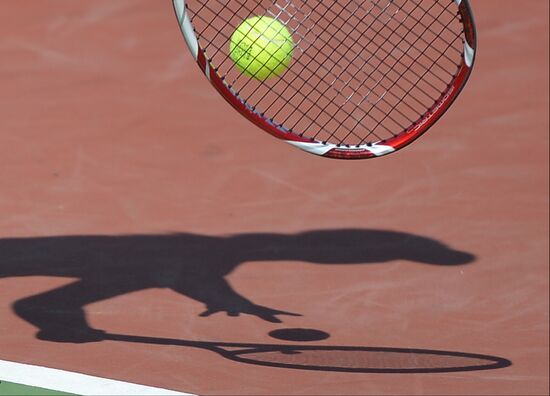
[{"x": 150, "y": 235}]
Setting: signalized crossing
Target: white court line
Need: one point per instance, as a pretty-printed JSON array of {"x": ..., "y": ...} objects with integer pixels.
[{"x": 80, "y": 384}]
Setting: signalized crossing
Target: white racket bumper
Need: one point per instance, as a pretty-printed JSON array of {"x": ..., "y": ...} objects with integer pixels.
[
  {"x": 322, "y": 148},
  {"x": 186, "y": 27},
  {"x": 469, "y": 54}
]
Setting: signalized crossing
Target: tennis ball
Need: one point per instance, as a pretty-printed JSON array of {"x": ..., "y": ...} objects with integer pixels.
[{"x": 261, "y": 47}]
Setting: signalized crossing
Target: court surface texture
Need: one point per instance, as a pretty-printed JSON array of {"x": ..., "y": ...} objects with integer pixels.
[{"x": 151, "y": 235}]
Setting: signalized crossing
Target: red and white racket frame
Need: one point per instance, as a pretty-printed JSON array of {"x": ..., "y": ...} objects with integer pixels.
[{"x": 329, "y": 150}]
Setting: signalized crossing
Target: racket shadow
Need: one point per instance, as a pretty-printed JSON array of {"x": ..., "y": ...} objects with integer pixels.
[{"x": 348, "y": 359}]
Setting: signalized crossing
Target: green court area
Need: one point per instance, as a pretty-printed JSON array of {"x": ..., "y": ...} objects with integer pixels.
[
  {"x": 50, "y": 381},
  {"x": 11, "y": 389}
]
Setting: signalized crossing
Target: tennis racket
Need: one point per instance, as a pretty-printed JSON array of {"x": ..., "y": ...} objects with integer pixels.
[
  {"x": 367, "y": 77},
  {"x": 351, "y": 359}
]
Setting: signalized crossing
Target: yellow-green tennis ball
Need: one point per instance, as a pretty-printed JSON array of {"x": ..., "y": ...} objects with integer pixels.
[{"x": 261, "y": 47}]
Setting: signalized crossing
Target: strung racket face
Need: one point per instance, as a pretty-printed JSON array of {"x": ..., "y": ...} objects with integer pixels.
[{"x": 367, "y": 77}]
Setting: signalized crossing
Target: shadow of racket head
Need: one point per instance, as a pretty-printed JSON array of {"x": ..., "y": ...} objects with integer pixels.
[
  {"x": 366, "y": 359},
  {"x": 351, "y": 359}
]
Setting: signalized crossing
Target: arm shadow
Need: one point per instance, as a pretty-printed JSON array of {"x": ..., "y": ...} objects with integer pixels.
[{"x": 193, "y": 265}]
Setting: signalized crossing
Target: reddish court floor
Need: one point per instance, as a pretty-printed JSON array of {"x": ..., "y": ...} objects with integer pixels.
[{"x": 133, "y": 199}]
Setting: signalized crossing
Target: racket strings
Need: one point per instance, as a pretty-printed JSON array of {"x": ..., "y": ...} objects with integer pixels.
[
  {"x": 279, "y": 95},
  {"x": 394, "y": 107},
  {"x": 366, "y": 61},
  {"x": 395, "y": 83},
  {"x": 338, "y": 78},
  {"x": 354, "y": 78},
  {"x": 335, "y": 77},
  {"x": 226, "y": 61},
  {"x": 429, "y": 29},
  {"x": 292, "y": 17},
  {"x": 339, "y": 85},
  {"x": 364, "y": 70},
  {"x": 283, "y": 8},
  {"x": 321, "y": 64},
  {"x": 374, "y": 55}
]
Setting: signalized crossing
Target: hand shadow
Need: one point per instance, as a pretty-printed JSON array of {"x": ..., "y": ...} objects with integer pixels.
[{"x": 192, "y": 265}]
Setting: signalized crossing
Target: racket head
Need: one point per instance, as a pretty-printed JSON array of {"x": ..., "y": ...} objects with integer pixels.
[{"x": 367, "y": 77}]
